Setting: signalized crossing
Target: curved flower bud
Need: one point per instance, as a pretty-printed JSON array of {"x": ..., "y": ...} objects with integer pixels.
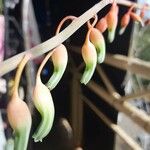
[
  {"x": 137, "y": 18},
  {"x": 112, "y": 21},
  {"x": 59, "y": 59},
  {"x": 20, "y": 120},
  {"x": 18, "y": 112},
  {"x": 98, "y": 41},
  {"x": 90, "y": 58},
  {"x": 124, "y": 22},
  {"x": 44, "y": 104},
  {"x": 102, "y": 25}
]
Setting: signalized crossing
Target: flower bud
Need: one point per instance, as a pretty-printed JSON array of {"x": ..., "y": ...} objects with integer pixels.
[
  {"x": 112, "y": 21},
  {"x": 18, "y": 112},
  {"x": 59, "y": 59},
  {"x": 98, "y": 41},
  {"x": 44, "y": 104},
  {"x": 90, "y": 58},
  {"x": 124, "y": 22},
  {"x": 20, "y": 120},
  {"x": 102, "y": 25},
  {"x": 137, "y": 18}
]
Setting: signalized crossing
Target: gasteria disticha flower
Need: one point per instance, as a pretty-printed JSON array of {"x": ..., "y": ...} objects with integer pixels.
[
  {"x": 90, "y": 58},
  {"x": 102, "y": 25},
  {"x": 44, "y": 104},
  {"x": 59, "y": 59},
  {"x": 124, "y": 22},
  {"x": 137, "y": 18},
  {"x": 112, "y": 21},
  {"x": 18, "y": 113},
  {"x": 98, "y": 41}
]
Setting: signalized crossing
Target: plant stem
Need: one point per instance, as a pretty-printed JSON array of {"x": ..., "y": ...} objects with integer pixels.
[
  {"x": 43, "y": 63},
  {"x": 19, "y": 72},
  {"x": 63, "y": 21}
]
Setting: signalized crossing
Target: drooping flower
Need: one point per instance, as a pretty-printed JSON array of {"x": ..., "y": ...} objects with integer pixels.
[
  {"x": 59, "y": 59},
  {"x": 98, "y": 41},
  {"x": 124, "y": 22},
  {"x": 90, "y": 58},
  {"x": 20, "y": 120},
  {"x": 136, "y": 18},
  {"x": 18, "y": 112},
  {"x": 44, "y": 104},
  {"x": 112, "y": 21},
  {"x": 102, "y": 25}
]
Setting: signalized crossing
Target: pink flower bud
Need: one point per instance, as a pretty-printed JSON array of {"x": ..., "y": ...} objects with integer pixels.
[
  {"x": 98, "y": 41},
  {"x": 44, "y": 104},
  {"x": 102, "y": 25},
  {"x": 18, "y": 113},
  {"x": 112, "y": 21},
  {"x": 20, "y": 120},
  {"x": 137, "y": 18},
  {"x": 124, "y": 22},
  {"x": 59, "y": 59},
  {"x": 90, "y": 58}
]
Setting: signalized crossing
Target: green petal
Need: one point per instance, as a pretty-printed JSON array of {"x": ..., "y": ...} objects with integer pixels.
[
  {"x": 21, "y": 138},
  {"x": 44, "y": 104},
  {"x": 56, "y": 77},
  {"x": 111, "y": 35},
  {"x": 88, "y": 73},
  {"x": 101, "y": 51}
]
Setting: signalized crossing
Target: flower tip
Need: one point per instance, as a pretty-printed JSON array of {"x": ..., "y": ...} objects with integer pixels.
[
  {"x": 35, "y": 139},
  {"x": 88, "y": 73},
  {"x": 122, "y": 30},
  {"x": 111, "y": 36}
]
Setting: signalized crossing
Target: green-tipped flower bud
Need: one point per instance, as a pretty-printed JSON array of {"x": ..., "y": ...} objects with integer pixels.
[
  {"x": 59, "y": 59},
  {"x": 20, "y": 120},
  {"x": 102, "y": 24},
  {"x": 124, "y": 22},
  {"x": 112, "y": 21},
  {"x": 98, "y": 41},
  {"x": 90, "y": 58},
  {"x": 137, "y": 18},
  {"x": 44, "y": 104}
]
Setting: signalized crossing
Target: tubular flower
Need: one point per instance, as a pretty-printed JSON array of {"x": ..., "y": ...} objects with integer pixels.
[
  {"x": 142, "y": 13},
  {"x": 102, "y": 25},
  {"x": 20, "y": 120},
  {"x": 124, "y": 22},
  {"x": 90, "y": 58},
  {"x": 98, "y": 41},
  {"x": 112, "y": 21},
  {"x": 18, "y": 113},
  {"x": 44, "y": 104},
  {"x": 137, "y": 18},
  {"x": 59, "y": 59}
]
